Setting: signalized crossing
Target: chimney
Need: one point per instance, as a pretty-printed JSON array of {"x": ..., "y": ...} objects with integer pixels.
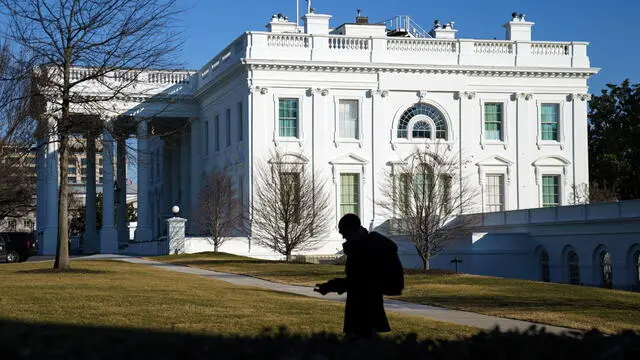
[
  {"x": 518, "y": 29},
  {"x": 361, "y": 20},
  {"x": 445, "y": 31},
  {"x": 316, "y": 23},
  {"x": 281, "y": 24}
]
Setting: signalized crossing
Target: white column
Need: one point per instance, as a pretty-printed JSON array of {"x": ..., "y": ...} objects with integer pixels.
[
  {"x": 185, "y": 170},
  {"x": 108, "y": 233},
  {"x": 143, "y": 229},
  {"x": 90, "y": 244},
  {"x": 377, "y": 162},
  {"x": 50, "y": 235},
  {"x": 41, "y": 191},
  {"x": 195, "y": 173},
  {"x": 121, "y": 180}
]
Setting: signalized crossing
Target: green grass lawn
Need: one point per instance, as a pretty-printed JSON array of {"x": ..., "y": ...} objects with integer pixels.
[
  {"x": 556, "y": 304},
  {"x": 121, "y": 295}
]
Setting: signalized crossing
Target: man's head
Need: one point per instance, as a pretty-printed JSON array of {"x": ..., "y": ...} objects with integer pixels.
[{"x": 349, "y": 227}]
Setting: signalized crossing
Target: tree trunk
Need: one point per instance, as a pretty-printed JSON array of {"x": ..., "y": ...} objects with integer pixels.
[
  {"x": 288, "y": 255},
  {"x": 216, "y": 247},
  {"x": 425, "y": 262}
]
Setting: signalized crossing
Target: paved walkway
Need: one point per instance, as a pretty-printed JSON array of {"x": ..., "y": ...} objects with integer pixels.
[{"x": 401, "y": 307}]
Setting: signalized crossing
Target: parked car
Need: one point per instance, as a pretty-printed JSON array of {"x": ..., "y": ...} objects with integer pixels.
[{"x": 17, "y": 246}]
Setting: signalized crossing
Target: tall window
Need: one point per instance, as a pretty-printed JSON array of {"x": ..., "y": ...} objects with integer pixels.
[
  {"x": 228, "y": 126},
  {"x": 241, "y": 194},
  {"x": 495, "y": 192},
  {"x": 636, "y": 265},
  {"x": 493, "y": 117},
  {"x": 205, "y": 148},
  {"x": 549, "y": 120},
  {"x": 288, "y": 117},
  {"x": 216, "y": 132},
  {"x": 544, "y": 266},
  {"x": 240, "y": 122},
  {"x": 550, "y": 190},
  {"x": 290, "y": 194},
  {"x": 574, "y": 268},
  {"x": 348, "y": 113},
  {"x": 349, "y": 194},
  {"x": 606, "y": 271}
]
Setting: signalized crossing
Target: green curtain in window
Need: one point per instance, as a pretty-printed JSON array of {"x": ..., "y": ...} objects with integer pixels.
[
  {"x": 493, "y": 121},
  {"x": 349, "y": 194},
  {"x": 288, "y": 115},
  {"x": 550, "y": 190},
  {"x": 549, "y": 119}
]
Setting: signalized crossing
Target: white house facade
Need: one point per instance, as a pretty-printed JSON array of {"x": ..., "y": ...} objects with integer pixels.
[{"x": 351, "y": 100}]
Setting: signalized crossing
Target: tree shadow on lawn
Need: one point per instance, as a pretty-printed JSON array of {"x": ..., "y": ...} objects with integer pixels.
[
  {"x": 492, "y": 301},
  {"x": 39, "y": 341}
]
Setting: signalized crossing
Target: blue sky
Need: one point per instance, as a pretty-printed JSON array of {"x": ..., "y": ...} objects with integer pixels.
[{"x": 612, "y": 27}]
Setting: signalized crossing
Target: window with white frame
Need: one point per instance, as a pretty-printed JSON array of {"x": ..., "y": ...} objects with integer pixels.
[
  {"x": 493, "y": 121},
  {"x": 348, "y": 119},
  {"x": 550, "y": 190},
  {"x": 549, "y": 122},
  {"x": 288, "y": 117},
  {"x": 216, "y": 132},
  {"x": 240, "y": 124},
  {"x": 495, "y": 192},
  {"x": 349, "y": 193},
  {"x": 228, "y": 126}
]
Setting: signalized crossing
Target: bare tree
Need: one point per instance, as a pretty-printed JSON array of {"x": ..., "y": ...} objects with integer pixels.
[
  {"x": 80, "y": 45},
  {"x": 591, "y": 193},
  {"x": 425, "y": 196},
  {"x": 219, "y": 211},
  {"x": 17, "y": 166},
  {"x": 291, "y": 208}
]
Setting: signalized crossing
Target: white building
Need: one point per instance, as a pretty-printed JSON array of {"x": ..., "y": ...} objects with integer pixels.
[{"x": 352, "y": 100}]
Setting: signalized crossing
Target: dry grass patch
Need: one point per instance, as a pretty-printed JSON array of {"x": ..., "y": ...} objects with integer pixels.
[
  {"x": 115, "y": 294},
  {"x": 576, "y": 307}
]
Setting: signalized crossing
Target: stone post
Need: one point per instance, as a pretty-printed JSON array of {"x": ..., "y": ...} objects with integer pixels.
[
  {"x": 176, "y": 233},
  {"x": 50, "y": 236}
]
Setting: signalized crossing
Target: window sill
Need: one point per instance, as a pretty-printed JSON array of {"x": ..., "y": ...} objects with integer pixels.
[
  {"x": 347, "y": 141},
  {"x": 428, "y": 142},
  {"x": 550, "y": 143}
]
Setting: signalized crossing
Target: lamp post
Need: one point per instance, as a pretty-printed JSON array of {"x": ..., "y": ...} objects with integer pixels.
[{"x": 456, "y": 261}]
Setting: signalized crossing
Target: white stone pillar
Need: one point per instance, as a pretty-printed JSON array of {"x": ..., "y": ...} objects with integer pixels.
[
  {"x": 121, "y": 180},
  {"x": 195, "y": 172},
  {"x": 108, "y": 233},
  {"x": 50, "y": 234},
  {"x": 41, "y": 191},
  {"x": 90, "y": 243},
  {"x": 143, "y": 229},
  {"x": 377, "y": 162},
  {"x": 176, "y": 235},
  {"x": 185, "y": 169}
]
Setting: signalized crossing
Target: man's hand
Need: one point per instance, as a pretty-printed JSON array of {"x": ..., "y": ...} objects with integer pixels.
[{"x": 323, "y": 288}]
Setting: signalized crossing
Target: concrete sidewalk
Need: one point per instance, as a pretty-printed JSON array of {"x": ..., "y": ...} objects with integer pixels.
[{"x": 396, "y": 306}]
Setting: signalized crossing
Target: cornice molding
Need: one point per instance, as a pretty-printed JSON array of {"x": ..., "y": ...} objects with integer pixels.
[{"x": 399, "y": 68}]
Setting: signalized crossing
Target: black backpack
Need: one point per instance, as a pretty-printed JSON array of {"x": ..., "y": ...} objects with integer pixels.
[{"x": 392, "y": 274}]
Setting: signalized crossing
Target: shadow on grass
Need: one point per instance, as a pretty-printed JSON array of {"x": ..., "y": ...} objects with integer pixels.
[
  {"x": 39, "y": 341},
  {"x": 63, "y": 271}
]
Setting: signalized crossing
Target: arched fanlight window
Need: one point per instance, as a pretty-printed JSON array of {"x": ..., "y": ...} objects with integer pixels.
[
  {"x": 606, "y": 272},
  {"x": 574, "y": 268},
  {"x": 544, "y": 266},
  {"x": 426, "y": 110},
  {"x": 421, "y": 130}
]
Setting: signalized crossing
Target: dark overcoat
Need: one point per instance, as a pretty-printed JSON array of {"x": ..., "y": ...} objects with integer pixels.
[{"x": 364, "y": 311}]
